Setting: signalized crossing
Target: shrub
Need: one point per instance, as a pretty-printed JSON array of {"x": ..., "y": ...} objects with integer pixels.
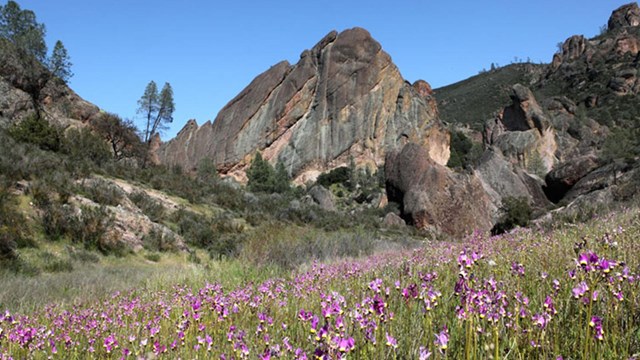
[
  {"x": 148, "y": 205},
  {"x": 83, "y": 145},
  {"x": 102, "y": 192},
  {"x": 86, "y": 225},
  {"x": 517, "y": 212},
  {"x": 158, "y": 240},
  {"x": 90, "y": 228},
  {"x": 291, "y": 246},
  {"x": 37, "y": 131},
  {"x": 154, "y": 257},
  {"x": 264, "y": 178},
  {"x": 14, "y": 230},
  {"x": 461, "y": 147},
  {"x": 340, "y": 175},
  {"x": 82, "y": 255}
]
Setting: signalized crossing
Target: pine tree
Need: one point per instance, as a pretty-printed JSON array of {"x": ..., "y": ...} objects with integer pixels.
[
  {"x": 260, "y": 175},
  {"x": 157, "y": 109},
  {"x": 59, "y": 63},
  {"x": 281, "y": 179},
  {"x": 21, "y": 28}
]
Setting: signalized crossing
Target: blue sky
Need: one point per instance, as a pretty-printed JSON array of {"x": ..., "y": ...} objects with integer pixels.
[{"x": 210, "y": 50}]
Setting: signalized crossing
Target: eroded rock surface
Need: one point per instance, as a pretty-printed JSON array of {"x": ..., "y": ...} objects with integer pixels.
[
  {"x": 343, "y": 99},
  {"x": 435, "y": 197}
]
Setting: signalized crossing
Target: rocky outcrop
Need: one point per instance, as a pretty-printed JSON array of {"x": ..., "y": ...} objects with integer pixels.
[
  {"x": 561, "y": 179},
  {"x": 522, "y": 130},
  {"x": 626, "y": 15},
  {"x": 501, "y": 179},
  {"x": 573, "y": 48},
  {"x": 524, "y": 113},
  {"x": 25, "y": 84},
  {"x": 434, "y": 197},
  {"x": 343, "y": 99}
]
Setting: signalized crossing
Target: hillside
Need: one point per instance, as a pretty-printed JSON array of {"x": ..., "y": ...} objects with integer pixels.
[{"x": 478, "y": 98}]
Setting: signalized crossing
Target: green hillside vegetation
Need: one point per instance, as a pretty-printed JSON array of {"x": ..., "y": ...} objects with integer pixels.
[
  {"x": 478, "y": 98},
  {"x": 47, "y": 227}
]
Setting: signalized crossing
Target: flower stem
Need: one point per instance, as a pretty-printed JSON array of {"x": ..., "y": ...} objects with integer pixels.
[{"x": 495, "y": 343}]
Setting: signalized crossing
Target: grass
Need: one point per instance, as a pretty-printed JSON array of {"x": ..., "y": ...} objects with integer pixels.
[{"x": 512, "y": 296}]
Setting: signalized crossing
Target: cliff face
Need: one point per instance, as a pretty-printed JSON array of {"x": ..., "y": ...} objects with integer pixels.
[{"x": 344, "y": 98}]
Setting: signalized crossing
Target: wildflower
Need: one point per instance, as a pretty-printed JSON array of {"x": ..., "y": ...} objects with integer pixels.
[
  {"x": 540, "y": 320},
  {"x": 314, "y": 324},
  {"x": 548, "y": 305},
  {"x": 346, "y": 344},
  {"x": 517, "y": 269},
  {"x": 605, "y": 265},
  {"x": 391, "y": 341},
  {"x": 424, "y": 353},
  {"x": 596, "y": 323},
  {"x": 376, "y": 285},
  {"x": 580, "y": 290},
  {"x": 442, "y": 339}
]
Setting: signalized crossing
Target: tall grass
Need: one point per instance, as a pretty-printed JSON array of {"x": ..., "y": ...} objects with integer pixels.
[{"x": 530, "y": 294}]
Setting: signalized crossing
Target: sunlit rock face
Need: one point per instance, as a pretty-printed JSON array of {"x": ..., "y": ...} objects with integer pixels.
[{"x": 344, "y": 99}]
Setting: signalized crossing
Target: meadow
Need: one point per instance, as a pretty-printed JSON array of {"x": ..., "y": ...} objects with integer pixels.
[{"x": 538, "y": 293}]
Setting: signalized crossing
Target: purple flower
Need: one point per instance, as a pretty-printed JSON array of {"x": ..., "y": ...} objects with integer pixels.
[
  {"x": 424, "y": 353},
  {"x": 442, "y": 339},
  {"x": 391, "y": 341},
  {"x": 596, "y": 323},
  {"x": 346, "y": 344},
  {"x": 548, "y": 305},
  {"x": 580, "y": 290},
  {"x": 540, "y": 320}
]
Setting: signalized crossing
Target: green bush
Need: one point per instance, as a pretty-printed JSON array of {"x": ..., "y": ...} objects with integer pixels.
[
  {"x": 291, "y": 246},
  {"x": 53, "y": 263},
  {"x": 157, "y": 240},
  {"x": 86, "y": 225},
  {"x": 82, "y": 145},
  {"x": 82, "y": 255},
  {"x": 101, "y": 192},
  {"x": 14, "y": 229},
  {"x": 264, "y": 178},
  {"x": 461, "y": 147},
  {"x": 37, "y": 131},
  {"x": 148, "y": 205},
  {"x": 517, "y": 212},
  {"x": 154, "y": 257},
  {"x": 340, "y": 175}
]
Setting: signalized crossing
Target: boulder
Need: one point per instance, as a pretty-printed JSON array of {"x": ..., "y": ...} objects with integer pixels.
[
  {"x": 433, "y": 196},
  {"x": 343, "y": 99},
  {"x": 626, "y": 15},
  {"x": 393, "y": 220},
  {"x": 323, "y": 197}
]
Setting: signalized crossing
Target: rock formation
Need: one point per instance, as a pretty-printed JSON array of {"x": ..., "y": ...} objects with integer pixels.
[
  {"x": 626, "y": 15},
  {"x": 522, "y": 130},
  {"x": 343, "y": 99},
  {"x": 433, "y": 196},
  {"x": 25, "y": 84}
]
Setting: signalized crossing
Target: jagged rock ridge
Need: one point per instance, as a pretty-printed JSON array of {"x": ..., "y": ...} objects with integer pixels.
[{"x": 343, "y": 99}]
